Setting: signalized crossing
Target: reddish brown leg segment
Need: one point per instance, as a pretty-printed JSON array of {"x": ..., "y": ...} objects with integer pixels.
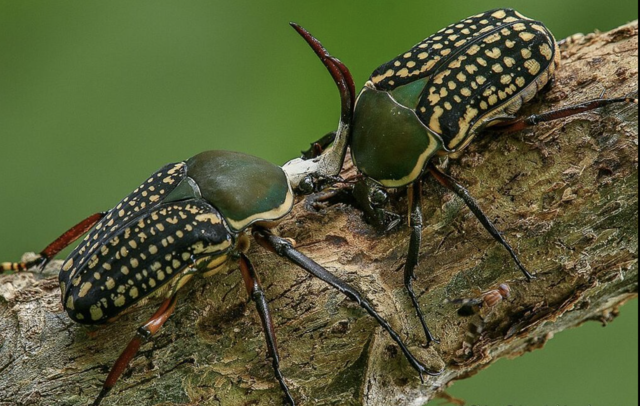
[
  {"x": 521, "y": 124},
  {"x": 55, "y": 247},
  {"x": 254, "y": 289},
  {"x": 144, "y": 333}
]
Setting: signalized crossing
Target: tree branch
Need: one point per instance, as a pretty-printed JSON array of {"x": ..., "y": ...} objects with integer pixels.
[{"x": 564, "y": 193}]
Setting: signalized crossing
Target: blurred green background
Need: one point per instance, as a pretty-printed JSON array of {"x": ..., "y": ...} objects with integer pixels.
[{"x": 96, "y": 95}]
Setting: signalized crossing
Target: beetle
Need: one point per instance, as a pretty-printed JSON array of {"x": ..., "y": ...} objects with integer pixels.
[
  {"x": 432, "y": 101},
  {"x": 189, "y": 218}
]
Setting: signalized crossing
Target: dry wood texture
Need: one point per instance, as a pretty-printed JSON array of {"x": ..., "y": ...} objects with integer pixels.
[{"x": 565, "y": 194}]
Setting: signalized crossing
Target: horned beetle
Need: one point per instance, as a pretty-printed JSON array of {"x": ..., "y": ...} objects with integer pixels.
[
  {"x": 432, "y": 101},
  {"x": 191, "y": 218}
]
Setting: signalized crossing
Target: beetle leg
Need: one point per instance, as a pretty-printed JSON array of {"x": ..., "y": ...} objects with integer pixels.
[
  {"x": 521, "y": 124},
  {"x": 321, "y": 200},
  {"x": 318, "y": 147},
  {"x": 415, "y": 222},
  {"x": 55, "y": 247},
  {"x": 448, "y": 182},
  {"x": 284, "y": 248},
  {"x": 254, "y": 289},
  {"x": 143, "y": 334},
  {"x": 371, "y": 199}
]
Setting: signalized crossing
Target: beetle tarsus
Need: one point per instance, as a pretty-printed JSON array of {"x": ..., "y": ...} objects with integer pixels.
[
  {"x": 39, "y": 263},
  {"x": 450, "y": 183},
  {"x": 530, "y": 277},
  {"x": 288, "y": 399}
]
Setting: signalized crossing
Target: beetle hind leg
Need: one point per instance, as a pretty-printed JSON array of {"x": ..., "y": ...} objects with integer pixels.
[
  {"x": 463, "y": 193},
  {"x": 526, "y": 122},
  {"x": 55, "y": 247},
  {"x": 254, "y": 289},
  {"x": 143, "y": 334},
  {"x": 415, "y": 221}
]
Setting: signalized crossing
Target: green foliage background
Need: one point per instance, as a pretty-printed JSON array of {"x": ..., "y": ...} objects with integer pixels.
[{"x": 96, "y": 95}]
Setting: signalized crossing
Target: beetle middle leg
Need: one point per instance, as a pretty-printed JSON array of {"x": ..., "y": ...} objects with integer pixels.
[
  {"x": 143, "y": 334},
  {"x": 415, "y": 222},
  {"x": 285, "y": 249},
  {"x": 254, "y": 289},
  {"x": 461, "y": 192}
]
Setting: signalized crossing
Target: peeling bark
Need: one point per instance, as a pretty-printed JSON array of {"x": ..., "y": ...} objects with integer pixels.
[{"x": 564, "y": 193}]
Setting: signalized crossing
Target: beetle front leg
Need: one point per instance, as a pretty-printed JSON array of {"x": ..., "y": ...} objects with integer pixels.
[
  {"x": 523, "y": 123},
  {"x": 285, "y": 249},
  {"x": 448, "y": 182},
  {"x": 415, "y": 222},
  {"x": 254, "y": 289},
  {"x": 143, "y": 334},
  {"x": 371, "y": 199},
  {"x": 318, "y": 147},
  {"x": 55, "y": 247}
]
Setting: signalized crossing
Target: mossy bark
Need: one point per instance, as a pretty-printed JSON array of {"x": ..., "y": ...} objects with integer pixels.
[{"x": 565, "y": 194}]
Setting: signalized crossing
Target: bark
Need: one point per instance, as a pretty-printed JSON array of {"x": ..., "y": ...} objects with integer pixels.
[{"x": 564, "y": 193}]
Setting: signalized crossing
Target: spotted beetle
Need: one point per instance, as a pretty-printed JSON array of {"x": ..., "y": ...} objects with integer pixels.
[
  {"x": 431, "y": 101},
  {"x": 189, "y": 218}
]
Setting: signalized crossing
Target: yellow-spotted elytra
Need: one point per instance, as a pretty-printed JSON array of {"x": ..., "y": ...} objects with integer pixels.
[
  {"x": 191, "y": 218},
  {"x": 433, "y": 100}
]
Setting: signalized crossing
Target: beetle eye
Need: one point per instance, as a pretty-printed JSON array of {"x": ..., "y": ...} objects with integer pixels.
[
  {"x": 307, "y": 185},
  {"x": 378, "y": 197}
]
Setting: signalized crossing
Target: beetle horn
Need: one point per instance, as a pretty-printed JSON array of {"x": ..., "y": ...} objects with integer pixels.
[
  {"x": 330, "y": 162},
  {"x": 338, "y": 70}
]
